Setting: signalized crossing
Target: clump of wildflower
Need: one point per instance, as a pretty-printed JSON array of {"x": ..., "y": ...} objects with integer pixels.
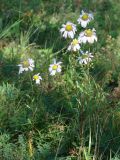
[
  {"x": 26, "y": 65},
  {"x": 85, "y": 18},
  {"x": 37, "y": 78},
  {"x": 88, "y": 36},
  {"x": 55, "y": 67},
  {"x": 85, "y": 58},
  {"x": 68, "y": 30},
  {"x": 74, "y": 46}
]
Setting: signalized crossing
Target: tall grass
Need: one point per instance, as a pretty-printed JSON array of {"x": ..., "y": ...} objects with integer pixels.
[{"x": 74, "y": 115}]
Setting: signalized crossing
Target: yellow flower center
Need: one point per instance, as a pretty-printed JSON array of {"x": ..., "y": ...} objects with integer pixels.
[
  {"x": 88, "y": 32},
  {"x": 74, "y": 42},
  {"x": 26, "y": 64},
  {"x": 69, "y": 27},
  {"x": 84, "y": 56},
  {"x": 35, "y": 77},
  {"x": 55, "y": 66},
  {"x": 85, "y": 17}
]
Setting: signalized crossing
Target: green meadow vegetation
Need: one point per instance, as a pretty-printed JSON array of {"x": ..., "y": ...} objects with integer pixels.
[{"x": 54, "y": 103}]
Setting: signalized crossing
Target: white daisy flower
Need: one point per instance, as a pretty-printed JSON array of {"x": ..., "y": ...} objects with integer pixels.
[
  {"x": 37, "y": 78},
  {"x": 68, "y": 30},
  {"x": 26, "y": 65},
  {"x": 74, "y": 46},
  {"x": 85, "y": 58},
  {"x": 55, "y": 67},
  {"x": 85, "y": 18},
  {"x": 88, "y": 36}
]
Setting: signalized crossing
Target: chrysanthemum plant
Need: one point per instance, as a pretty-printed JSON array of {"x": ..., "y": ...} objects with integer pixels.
[{"x": 78, "y": 39}]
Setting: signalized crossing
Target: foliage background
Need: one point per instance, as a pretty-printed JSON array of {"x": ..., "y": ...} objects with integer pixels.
[{"x": 47, "y": 122}]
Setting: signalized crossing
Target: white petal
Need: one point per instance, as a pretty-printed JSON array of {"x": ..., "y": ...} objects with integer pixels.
[
  {"x": 81, "y": 34},
  {"x": 63, "y": 25},
  {"x": 78, "y": 46},
  {"x": 26, "y": 69},
  {"x": 31, "y": 61},
  {"x": 84, "y": 39},
  {"x": 59, "y": 63},
  {"x": 37, "y": 81},
  {"x": 51, "y": 65},
  {"x": 91, "y": 16},
  {"x": 53, "y": 72},
  {"x": 84, "y": 24},
  {"x": 62, "y": 30},
  {"x": 20, "y": 65},
  {"x": 50, "y": 69},
  {"x": 69, "y": 47},
  {"x": 83, "y": 12},
  {"x": 95, "y": 38},
  {"x": 59, "y": 69},
  {"x": 71, "y": 35},
  {"x": 21, "y": 70},
  {"x": 54, "y": 61},
  {"x": 65, "y": 34},
  {"x": 40, "y": 77},
  {"x": 31, "y": 69}
]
